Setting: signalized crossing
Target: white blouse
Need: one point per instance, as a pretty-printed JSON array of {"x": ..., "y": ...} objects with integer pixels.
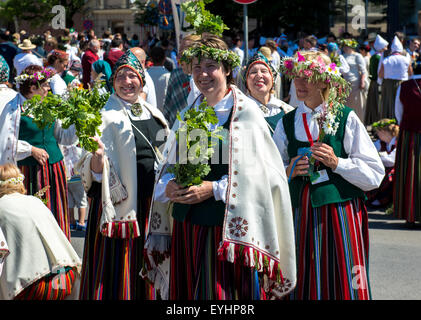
[
  {"x": 363, "y": 167},
  {"x": 222, "y": 111},
  {"x": 398, "y": 102},
  {"x": 387, "y": 157},
  {"x": 273, "y": 107}
]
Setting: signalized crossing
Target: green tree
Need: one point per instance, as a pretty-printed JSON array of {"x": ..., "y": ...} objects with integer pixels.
[{"x": 38, "y": 12}]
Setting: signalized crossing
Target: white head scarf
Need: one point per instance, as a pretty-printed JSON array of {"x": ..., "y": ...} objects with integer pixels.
[
  {"x": 380, "y": 43},
  {"x": 397, "y": 45}
]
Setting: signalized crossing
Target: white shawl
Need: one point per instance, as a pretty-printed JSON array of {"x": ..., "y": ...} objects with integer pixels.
[
  {"x": 258, "y": 214},
  {"x": 119, "y": 176},
  {"x": 37, "y": 244}
]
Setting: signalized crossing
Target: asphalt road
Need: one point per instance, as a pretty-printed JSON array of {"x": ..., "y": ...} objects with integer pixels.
[{"x": 395, "y": 257}]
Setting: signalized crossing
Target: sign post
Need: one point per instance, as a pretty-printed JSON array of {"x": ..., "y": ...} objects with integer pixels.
[{"x": 246, "y": 27}]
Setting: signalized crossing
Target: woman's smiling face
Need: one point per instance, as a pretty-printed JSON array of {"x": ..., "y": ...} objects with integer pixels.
[
  {"x": 209, "y": 76},
  {"x": 259, "y": 80},
  {"x": 128, "y": 85}
]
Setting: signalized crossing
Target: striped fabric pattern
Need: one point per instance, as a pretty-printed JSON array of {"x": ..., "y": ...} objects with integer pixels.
[
  {"x": 406, "y": 197},
  {"x": 111, "y": 266},
  {"x": 197, "y": 274},
  {"x": 54, "y": 176},
  {"x": 51, "y": 287},
  {"x": 332, "y": 251}
]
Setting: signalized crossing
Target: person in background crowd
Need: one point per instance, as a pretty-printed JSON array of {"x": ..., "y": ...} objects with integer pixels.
[
  {"x": 26, "y": 57},
  {"x": 365, "y": 52},
  {"x": 413, "y": 51},
  {"x": 42, "y": 264},
  {"x": 406, "y": 197},
  {"x": 387, "y": 132},
  {"x": 237, "y": 44},
  {"x": 6, "y": 93},
  {"x": 50, "y": 44},
  {"x": 394, "y": 69},
  {"x": 8, "y": 50},
  {"x": 104, "y": 68},
  {"x": 357, "y": 76},
  {"x": 58, "y": 62},
  {"x": 168, "y": 62},
  {"x": 88, "y": 59},
  {"x": 310, "y": 43},
  {"x": 115, "y": 52},
  {"x": 178, "y": 84},
  {"x": 160, "y": 75},
  {"x": 373, "y": 98}
]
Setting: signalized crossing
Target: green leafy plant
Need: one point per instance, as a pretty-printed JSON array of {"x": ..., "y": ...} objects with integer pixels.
[
  {"x": 188, "y": 170},
  {"x": 201, "y": 19},
  {"x": 80, "y": 107}
]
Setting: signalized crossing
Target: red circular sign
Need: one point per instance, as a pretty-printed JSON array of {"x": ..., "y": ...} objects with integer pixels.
[{"x": 245, "y": 1}]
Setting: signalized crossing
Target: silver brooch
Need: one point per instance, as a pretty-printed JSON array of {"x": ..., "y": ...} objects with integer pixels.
[
  {"x": 136, "y": 109},
  {"x": 264, "y": 109}
]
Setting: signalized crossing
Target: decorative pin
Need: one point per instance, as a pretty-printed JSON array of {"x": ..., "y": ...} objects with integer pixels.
[
  {"x": 264, "y": 109},
  {"x": 137, "y": 109}
]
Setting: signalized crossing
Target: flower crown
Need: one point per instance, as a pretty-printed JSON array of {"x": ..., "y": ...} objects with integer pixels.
[
  {"x": 37, "y": 76},
  {"x": 352, "y": 43},
  {"x": 215, "y": 54},
  {"x": 316, "y": 70},
  {"x": 17, "y": 180}
]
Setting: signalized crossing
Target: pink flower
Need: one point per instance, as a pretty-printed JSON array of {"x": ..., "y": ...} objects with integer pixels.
[
  {"x": 332, "y": 66},
  {"x": 308, "y": 73},
  {"x": 300, "y": 57},
  {"x": 313, "y": 65},
  {"x": 289, "y": 64}
]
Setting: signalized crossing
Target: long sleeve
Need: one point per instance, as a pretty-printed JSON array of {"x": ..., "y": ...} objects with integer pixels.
[
  {"x": 281, "y": 142},
  {"x": 344, "y": 68},
  {"x": 398, "y": 106},
  {"x": 24, "y": 150},
  {"x": 363, "y": 168}
]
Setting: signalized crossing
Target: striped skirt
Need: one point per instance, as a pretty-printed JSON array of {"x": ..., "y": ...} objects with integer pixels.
[
  {"x": 197, "y": 274},
  {"x": 111, "y": 266},
  {"x": 51, "y": 287},
  {"x": 407, "y": 191},
  {"x": 53, "y": 175},
  {"x": 332, "y": 251},
  {"x": 384, "y": 193}
]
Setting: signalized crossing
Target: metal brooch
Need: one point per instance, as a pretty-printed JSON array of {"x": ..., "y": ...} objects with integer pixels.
[
  {"x": 136, "y": 109},
  {"x": 264, "y": 109}
]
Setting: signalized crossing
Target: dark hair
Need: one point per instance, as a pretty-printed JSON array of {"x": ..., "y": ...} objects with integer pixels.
[
  {"x": 157, "y": 55},
  {"x": 213, "y": 41},
  {"x": 116, "y": 42},
  {"x": 25, "y": 87},
  {"x": 332, "y": 35},
  {"x": 165, "y": 43}
]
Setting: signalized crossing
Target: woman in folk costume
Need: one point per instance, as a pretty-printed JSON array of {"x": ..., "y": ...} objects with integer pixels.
[
  {"x": 259, "y": 81},
  {"x": 394, "y": 69},
  {"x": 230, "y": 237},
  {"x": 41, "y": 264},
  {"x": 330, "y": 161},
  {"x": 387, "y": 131},
  {"x": 35, "y": 150},
  {"x": 119, "y": 177},
  {"x": 356, "y": 76},
  {"x": 373, "y": 99},
  {"x": 406, "y": 198}
]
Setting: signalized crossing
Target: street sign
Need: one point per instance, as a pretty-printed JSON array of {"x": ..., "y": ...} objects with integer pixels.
[{"x": 244, "y": 1}]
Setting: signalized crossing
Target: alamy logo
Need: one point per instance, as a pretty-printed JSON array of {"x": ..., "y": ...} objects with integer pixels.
[
  {"x": 59, "y": 21},
  {"x": 358, "y": 22}
]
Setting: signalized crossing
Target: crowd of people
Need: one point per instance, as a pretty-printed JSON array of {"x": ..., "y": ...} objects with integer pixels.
[{"x": 313, "y": 133}]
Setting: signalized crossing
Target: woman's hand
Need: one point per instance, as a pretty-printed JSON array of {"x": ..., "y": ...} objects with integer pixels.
[
  {"x": 324, "y": 153},
  {"x": 40, "y": 155},
  {"x": 301, "y": 168},
  {"x": 190, "y": 195},
  {"x": 97, "y": 161}
]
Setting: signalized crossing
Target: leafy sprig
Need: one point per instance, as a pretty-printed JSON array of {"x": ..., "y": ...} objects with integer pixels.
[
  {"x": 79, "y": 106},
  {"x": 193, "y": 166}
]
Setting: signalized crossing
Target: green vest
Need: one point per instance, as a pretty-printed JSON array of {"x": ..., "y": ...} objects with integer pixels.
[
  {"x": 68, "y": 77},
  {"x": 209, "y": 212},
  {"x": 273, "y": 120},
  {"x": 43, "y": 139},
  {"x": 336, "y": 189}
]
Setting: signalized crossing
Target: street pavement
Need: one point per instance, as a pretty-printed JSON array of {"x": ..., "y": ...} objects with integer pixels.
[{"x": 395, "y": 257}]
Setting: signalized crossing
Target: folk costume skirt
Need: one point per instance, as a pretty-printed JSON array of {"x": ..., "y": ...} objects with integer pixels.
[
  {"x": 406, "y": 197},
  {"x": 54, "y": 176},
  {"x": 387, "y": 101},
  {"x": 50, "y": 287},
  {"x": 111, "y": 266},
  {"x": 197, "y": 274},
  {"x": 332, "y": 250},
  {"x": 384, "y": 193},
  {"x": 372, "y": 113}
]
